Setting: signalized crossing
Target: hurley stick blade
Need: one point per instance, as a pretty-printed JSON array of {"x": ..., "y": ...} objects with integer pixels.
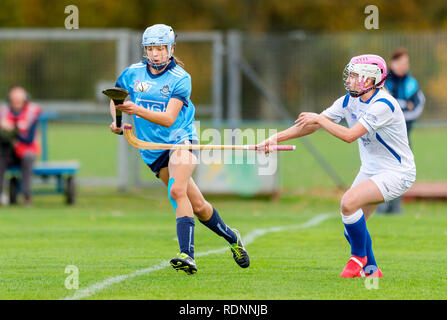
[{"x": 118, "y": 95}]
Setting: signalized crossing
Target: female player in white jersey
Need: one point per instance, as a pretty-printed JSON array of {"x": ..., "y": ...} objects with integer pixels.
[
  {"x": 388, "y": 170},
  {"x": 160, "y": 93}
]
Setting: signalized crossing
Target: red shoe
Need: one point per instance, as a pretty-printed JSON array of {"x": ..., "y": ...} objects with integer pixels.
[
  {"x": 376, "y": 274},
  {"x": 354, "y": 267}
]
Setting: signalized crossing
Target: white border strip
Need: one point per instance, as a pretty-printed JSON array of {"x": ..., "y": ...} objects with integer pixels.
[{"x": 249, "y": 238}]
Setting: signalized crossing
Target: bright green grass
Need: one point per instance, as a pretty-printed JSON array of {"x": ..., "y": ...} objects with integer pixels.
[
  {"x": 108, "y": 234},
  {"x": 91, "y": 144}
]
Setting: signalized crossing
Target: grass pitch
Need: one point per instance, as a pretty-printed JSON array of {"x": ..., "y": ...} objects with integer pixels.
[
  {"x": 109, "y": 234},
  {"x": 121, "y": 243}
]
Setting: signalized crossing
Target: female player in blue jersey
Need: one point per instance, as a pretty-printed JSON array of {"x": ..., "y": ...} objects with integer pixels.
[
  {"x": 160, "y": 91},
  {"x": 388, "y": 170}
]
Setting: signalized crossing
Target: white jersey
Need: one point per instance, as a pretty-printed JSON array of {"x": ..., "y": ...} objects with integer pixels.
[{"x": 385, "y": 146}]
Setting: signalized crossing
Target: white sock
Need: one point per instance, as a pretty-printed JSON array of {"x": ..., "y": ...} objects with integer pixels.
[{"x": 353, "y": 218}]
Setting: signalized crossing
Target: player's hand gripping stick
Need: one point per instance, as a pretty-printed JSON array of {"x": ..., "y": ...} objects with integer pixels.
[{"x": 118, "y": 95}]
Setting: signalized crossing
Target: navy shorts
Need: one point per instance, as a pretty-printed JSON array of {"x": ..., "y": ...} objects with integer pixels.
[{"x": 163, "y": 160}]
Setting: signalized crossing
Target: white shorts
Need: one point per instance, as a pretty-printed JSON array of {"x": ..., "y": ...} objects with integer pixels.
[{"x": 391, "y": 184}]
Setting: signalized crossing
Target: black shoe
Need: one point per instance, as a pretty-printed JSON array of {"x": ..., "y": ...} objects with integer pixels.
[
  {"x": 240, "y": 255},
  {"x": 185, "y": 263}
]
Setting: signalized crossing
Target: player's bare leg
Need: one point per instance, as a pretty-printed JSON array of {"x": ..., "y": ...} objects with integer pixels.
[
  {"x": 201, "y": 208},
  {"x": 368, "y": 210},
  {"x": 364, "y": 194}
]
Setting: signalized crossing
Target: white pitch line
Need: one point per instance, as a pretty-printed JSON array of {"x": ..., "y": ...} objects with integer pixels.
[{"x": 249, "y": 238}]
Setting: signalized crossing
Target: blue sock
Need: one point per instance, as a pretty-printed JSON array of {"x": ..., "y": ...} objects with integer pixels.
[
  {"x": 347, "y": 236},
  {"x": 216, "y": 224},
  {"x": 357, "y": 234},
  {"x": 185, "y": 235},
  {"x": 369, "y": 253},
  {"x": 371, "y": 265}
]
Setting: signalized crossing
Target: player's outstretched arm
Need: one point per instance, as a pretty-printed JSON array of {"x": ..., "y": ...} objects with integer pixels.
[
  {"x": 346, "y": 134},
  {"x": 295, "y": 131}
]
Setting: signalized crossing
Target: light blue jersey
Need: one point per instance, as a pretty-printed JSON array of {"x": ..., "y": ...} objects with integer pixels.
[{"x": 153, "y": 91}]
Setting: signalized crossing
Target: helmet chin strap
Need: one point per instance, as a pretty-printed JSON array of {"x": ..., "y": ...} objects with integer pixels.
[
  {"x": 356, "y": 94},
  {"x": 157, "y": 67},
  {"x": 160, "y": 66}
]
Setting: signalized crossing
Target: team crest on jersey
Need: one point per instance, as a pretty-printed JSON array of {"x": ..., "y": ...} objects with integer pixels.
[
  {"x": 142, "y": 86},
  {"x": 366, "y": 141},
  {"x": 165, "y": 91}
]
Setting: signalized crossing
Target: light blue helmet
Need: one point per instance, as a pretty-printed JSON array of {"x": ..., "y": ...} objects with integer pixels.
[{"x": 158, "y": 35}]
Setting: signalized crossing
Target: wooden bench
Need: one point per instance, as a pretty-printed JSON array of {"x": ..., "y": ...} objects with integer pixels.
[{"x": 63, "y": 171}]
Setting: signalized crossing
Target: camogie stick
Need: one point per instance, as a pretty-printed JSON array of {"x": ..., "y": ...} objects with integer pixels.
[{"x": 140, "y": 144}]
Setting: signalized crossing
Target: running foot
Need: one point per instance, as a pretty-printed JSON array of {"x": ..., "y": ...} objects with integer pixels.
[
  {"x": 240, "y": 255},
  {"x": 185, "y": 263},
  {"x": 354, "y": 267}
]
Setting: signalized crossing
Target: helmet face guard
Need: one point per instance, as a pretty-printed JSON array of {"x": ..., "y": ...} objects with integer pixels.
[
  {"x": 365, "y": 66},
  {"x": 158, "y": 35},
  {"x": 164, "y": 58}
]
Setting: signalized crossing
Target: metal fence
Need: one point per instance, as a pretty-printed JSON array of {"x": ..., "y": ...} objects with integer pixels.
[
  {"x": 281, "y": 75},
  {"x": 65, "y": 71},
  {"x": 235, "y": 76}
]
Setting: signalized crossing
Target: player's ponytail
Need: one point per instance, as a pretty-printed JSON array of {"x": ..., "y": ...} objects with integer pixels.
[{"x": 178, "y": 61}]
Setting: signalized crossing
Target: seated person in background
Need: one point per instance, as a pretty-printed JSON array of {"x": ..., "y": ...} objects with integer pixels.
[{"x": 18, "y": 122}]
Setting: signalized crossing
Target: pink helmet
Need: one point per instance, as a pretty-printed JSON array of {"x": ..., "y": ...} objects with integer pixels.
[{"x": 367, "y": 66}]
